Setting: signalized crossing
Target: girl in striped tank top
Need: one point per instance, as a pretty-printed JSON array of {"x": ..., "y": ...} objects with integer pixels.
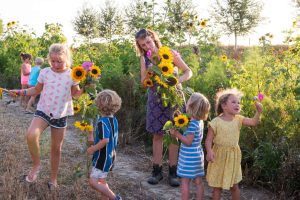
[{"x": 191, "y": 157}]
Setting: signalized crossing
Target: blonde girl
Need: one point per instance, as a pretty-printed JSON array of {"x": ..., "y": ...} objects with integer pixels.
[
  {"x": 224, "y": 157},
  {"x": 56, "y": 88},
  {"x": 191, "y": 156}
]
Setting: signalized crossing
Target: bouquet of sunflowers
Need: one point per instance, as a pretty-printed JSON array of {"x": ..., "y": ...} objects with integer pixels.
[
  {"x": 88, "y": 76},
  {"x": 180, "y": 122},
  {"x": 161, "y": 73}
]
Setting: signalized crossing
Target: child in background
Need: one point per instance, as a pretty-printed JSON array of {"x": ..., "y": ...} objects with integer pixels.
[
  {"x": 105, "y": 142},
  {"x": 224, "y": 167},
  {"x": 25, "y": 72},
  {"x": 191, "y": 156},
  {"x": 55, "y": 105},
  {"x": 34, "y": 74}
]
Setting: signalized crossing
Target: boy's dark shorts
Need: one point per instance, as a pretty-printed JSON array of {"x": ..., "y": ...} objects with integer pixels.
[{"x": 55, "y": 123}]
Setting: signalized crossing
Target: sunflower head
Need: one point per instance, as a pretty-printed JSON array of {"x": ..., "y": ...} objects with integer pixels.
[
  {"x": 181, "y": 121},
  {"x": 148, "y": 83},
  {"x": 76, "y": 108},
  {"x": 1, "y": 92},
  {"x": 166, "y": 68},
  {"x": 203, "y": 23},
  {"x": 224, "y": 58},
  {"x": 172, "y": 81},
  {"x": 166, "y": 54},
  {"x": 160, "y": 82},
  {"x": 78, "y": 73},
  {"x": 81, "y": 125},
  {"x": 150, "y": 73},
  {"x": 95, "y": 71}
]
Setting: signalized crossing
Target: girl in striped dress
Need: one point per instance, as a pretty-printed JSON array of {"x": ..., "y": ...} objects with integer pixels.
[{"x": 191, "y": 157}]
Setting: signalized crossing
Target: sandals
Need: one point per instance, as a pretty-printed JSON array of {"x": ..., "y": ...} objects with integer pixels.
[
  {"x": 33, "y": 175},
  {"x": 52, "y": 186}
]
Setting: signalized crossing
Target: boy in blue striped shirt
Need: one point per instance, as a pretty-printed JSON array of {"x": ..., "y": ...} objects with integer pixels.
[{"x": 105, "y": 142}]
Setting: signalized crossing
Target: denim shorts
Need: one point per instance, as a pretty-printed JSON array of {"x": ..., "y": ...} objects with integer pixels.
[{"x": 55, "y": 123}]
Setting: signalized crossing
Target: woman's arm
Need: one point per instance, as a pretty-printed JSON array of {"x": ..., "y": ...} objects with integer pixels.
[
  {"x": 187, "y": 72},
  {"x": 254, "y": 120},
  {"x": 208, "y": 145},
  {"x": 143, "y": 69}
]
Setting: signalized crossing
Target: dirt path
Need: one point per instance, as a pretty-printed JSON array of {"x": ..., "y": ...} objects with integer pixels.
[{"x": 128, "y": 177}]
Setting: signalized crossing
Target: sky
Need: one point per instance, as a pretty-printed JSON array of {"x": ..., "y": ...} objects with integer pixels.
[{"x": 279, "y": 15}]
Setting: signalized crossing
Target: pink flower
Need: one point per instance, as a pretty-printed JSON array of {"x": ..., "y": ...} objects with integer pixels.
[
  {"x": 86, "y": 65},
  {"x": 149, "y": 53},
  {"x": 260, "y": 96}
]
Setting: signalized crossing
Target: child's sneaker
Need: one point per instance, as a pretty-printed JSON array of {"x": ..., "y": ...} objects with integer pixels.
[{"x": 118, "y": 197}]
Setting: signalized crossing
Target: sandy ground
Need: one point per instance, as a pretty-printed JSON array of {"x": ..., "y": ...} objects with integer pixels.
[{"x": 133, "y": 166}]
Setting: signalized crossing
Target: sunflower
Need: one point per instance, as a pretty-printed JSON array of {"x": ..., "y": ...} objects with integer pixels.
[
  {"x": 202, "y": 23},
  {"x": 181, "y": 121},
  {"x": 95, "y": 71},
  {"x": 89, "y": 102},
  {"x": 223, "y": 58},
  {"x": 165, "y": 54},
  {"x": 9, "y": 25},
  {"x": 150, "y": 73},
  {"x": 81, "y": 125},
  {"x": 294, "y": 23},
  {"x": 13, "y": 23},
  {"x": 166, "y": 68},
  {"x": 172, "y": 81},
  {"x": 148, "y": 82},
  {"x": 160, "y": 82},
  {"x": 77, "y": 108},
  {"x": 78, "y": 73}
]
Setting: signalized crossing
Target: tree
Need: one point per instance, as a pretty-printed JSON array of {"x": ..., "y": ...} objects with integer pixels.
[
  {"x": 142, "y": 14},
  {"x": 86, "y": 23},
  {"x": 110, "y": 21},
  {"x": 180, "y": 18},
  {"x": 237, "y": 17}
]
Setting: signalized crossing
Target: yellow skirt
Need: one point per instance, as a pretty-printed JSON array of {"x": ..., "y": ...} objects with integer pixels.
[{"x": 226, "y": 170}]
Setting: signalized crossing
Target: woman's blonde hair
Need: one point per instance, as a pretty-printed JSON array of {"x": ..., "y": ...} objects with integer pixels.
[
  {"x": 223, "y": 96},
  {"x": 61, "y": 49},
  {"x": 198, "y": 106},
  {"x": 108, "y": 102},
  {"x": 142, "y": 34}
]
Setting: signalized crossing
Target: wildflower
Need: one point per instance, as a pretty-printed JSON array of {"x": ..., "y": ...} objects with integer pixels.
[
  {"x": 223, "y": 58},
  {"x": 165, "y": 54},
  {"x": 148, "y": 83},
  {"x": 149, "y": 53},
  {"x": 150, "y": 73},
  {"x": 78, "y": 73},
  {"x": 172, "y": 81},
  {"x": 181, "y": 120},
  {"x": 166, "y": 68},
  {"x": 81, "y": 125},
  {"x": 87, "y": 65},
  {"x": 160, "y": 82},
  {"x": 203, "y": 23},
  {"x": 95, "y": 71},
  {"x": 77, "y": 108}
]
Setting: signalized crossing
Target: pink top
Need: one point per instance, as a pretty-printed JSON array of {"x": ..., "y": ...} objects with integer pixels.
[
  {"x": 25, "y": 78},
  {"x": 56, "y": 100}
]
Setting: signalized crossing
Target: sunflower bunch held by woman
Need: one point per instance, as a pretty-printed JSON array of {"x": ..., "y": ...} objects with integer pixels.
[
  {"x": 180, "y": 123},
  {"x": 162, "y": 74}
]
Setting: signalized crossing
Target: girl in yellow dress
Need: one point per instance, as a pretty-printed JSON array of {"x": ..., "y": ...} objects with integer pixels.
[{"x": 224, "y": 157}]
